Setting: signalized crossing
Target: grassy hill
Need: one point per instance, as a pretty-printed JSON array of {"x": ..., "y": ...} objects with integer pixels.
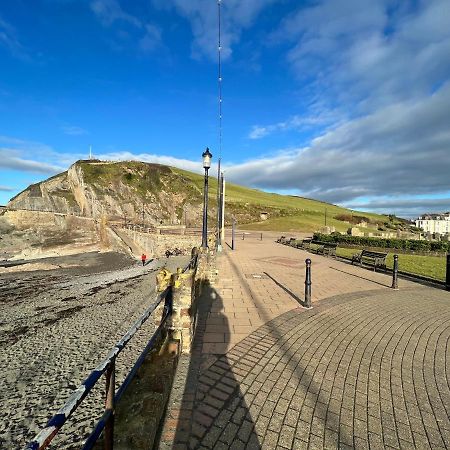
[
  {"x": 286, "y": 212},
  {"x": 158, "y": 194}
]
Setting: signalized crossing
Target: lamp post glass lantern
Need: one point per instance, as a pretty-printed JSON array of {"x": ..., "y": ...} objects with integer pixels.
[
  {"x": 206, "y": 165},
  {"x": 207, "y": 156}
]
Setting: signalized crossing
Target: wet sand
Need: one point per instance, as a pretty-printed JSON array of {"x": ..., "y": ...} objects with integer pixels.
[{"x": 55, "y": 326}]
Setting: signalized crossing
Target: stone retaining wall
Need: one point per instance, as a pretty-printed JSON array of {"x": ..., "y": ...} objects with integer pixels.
[
  {"x": 155, "y": 245},
  {"x": 140, "y": 412}
]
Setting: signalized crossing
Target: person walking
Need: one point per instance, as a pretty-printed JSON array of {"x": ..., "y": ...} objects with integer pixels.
[{"x": 143, "y": 258}]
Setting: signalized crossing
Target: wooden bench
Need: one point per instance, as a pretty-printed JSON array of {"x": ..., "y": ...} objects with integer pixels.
[
  {"x": 329, "y": 249},
  {"x": 298, "y": 244},
  {"x": 285, "y": 241},
  {"x": 306, "y": 244},
  {"x": 378, "y": 259},
  {"x": 325, "y": 248}
]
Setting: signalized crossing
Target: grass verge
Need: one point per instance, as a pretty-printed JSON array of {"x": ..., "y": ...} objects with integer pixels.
[{"x": 427, "y": 266}]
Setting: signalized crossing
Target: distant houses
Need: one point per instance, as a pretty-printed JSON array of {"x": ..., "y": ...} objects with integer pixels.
[{"x": 434, "y": 223}]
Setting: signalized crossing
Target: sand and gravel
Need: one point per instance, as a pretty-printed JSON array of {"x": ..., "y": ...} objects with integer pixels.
[{"x": 55, "y": 326}]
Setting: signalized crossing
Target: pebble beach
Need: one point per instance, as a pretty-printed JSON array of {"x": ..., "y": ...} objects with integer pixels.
[{"x": 56, "y": 325}]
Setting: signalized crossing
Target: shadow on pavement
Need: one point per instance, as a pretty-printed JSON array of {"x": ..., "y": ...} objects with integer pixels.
[
  {"x": 305, "y": 379},
  {"x": 360, "y": 277},
  {"x": 285, "y": 289},
  {"x": 292, "y": 399},
  {"x": 212, "y": 411}
]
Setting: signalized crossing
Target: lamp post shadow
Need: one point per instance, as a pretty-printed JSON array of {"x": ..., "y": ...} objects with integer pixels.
[{"x": 212, "y": 410}]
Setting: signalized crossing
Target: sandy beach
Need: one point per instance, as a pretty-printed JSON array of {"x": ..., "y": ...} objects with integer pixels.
[{"x": 55, "y": 326}]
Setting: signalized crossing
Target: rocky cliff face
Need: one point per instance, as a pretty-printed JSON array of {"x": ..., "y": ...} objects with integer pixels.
[
  {"x": 122, "y": 191},
  {"x": 73, "y": 211}
]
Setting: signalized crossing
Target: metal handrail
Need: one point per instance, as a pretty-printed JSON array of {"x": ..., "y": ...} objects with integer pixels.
[
  {"x": 45, "y": 436},
  {"x": 102, "y": 423},
  {"x": 192, "y": 263}
]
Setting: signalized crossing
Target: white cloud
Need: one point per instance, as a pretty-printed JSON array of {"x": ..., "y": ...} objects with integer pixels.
[
  {"x": 30, "y": 156},
  {"x": 9, "y": 40},
  {"x": 366, "y": 53},
  {"x": 6, "y": 189},
  {"x": 401, "y": 149},
  {"x": 8, "y": 160},
  {"x": 151, "y": 39},
  {"x": 296, "y": 122},
  {"x": 237, "y": 15},
  {"x": 73, "y": 130},
  {"x": 403, "y": 207},
  {"x": 110, "y": 11},
  {"x": 194, "y": 166},
  {"x": 388, "y": 69},
  {"x": 259, "y": 132}
]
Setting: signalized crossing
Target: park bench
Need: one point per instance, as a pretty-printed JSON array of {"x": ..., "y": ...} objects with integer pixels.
[
  {"x": 325, "y": 248},
  {"x": 306, "y": 244},
  {"x": 378, "y": 259},
  {"x": 328, "y": 249},
  {"x": 286, "y": 241}
]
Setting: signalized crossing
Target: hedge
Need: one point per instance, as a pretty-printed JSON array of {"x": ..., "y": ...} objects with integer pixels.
[{"x": 401, "y": 244}]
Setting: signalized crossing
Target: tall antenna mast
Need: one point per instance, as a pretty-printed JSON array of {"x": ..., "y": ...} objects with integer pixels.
[
  {"x": 219, "y": 49},
  {"x": 90, "y": 152},
  {"x": 219, "y": 54}
]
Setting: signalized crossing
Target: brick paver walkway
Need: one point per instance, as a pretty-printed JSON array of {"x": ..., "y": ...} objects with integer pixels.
[
  {"x": 262, "y": 279},
  {"x": 367, "y": 367}
]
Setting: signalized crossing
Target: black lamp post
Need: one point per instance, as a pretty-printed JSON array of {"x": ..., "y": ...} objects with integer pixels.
[{"x": 206, "y": 165}]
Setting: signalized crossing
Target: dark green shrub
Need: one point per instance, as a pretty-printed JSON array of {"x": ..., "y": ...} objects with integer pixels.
[{"x": 400, "y": 244}]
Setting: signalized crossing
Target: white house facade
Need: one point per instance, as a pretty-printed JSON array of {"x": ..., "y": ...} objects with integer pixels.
[{"x": 434, "y": 223}]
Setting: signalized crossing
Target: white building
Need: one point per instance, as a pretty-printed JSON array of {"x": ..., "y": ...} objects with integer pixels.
[{"x": 434, "y": 223}]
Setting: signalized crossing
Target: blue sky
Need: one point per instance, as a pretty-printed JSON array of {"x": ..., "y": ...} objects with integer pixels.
[{"x": 346, "y": 101}]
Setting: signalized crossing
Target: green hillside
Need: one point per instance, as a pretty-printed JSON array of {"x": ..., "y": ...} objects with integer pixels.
[
  {"x": 286, "y": 212},
  {"x": 157, "y": 194}
]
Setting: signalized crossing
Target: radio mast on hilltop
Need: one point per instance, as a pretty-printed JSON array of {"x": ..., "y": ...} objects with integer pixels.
[{"x": 90, "y": 152}]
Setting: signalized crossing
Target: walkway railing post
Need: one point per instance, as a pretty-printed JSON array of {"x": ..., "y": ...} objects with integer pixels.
[
  {"x": 447, "y": 275},
  {"x": 308, "y": 284},
  {"x": 109, "y": 404},
  {"x": 395, "y": 273}
]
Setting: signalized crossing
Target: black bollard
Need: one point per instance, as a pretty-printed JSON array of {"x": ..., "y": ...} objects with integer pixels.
[
  {"x": 243, "y": 236},
  {"x": 395, "y": 273},
  {"x": 447, "y": 274},
  {"x": 261, "y": 236},
  {"x": 233, "y": 226},
  {"x": 308, "y": 284}
]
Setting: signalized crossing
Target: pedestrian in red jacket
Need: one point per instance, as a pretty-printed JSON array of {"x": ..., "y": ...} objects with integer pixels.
[{"x": 143, "y": 258}]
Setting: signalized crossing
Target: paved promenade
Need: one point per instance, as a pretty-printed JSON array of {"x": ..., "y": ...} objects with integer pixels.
[{"x": 366, "y": 367}]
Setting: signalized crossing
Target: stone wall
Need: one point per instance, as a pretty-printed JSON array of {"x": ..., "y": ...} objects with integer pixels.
[
  {"x": 141, "y": 409},
  {"x": 155, "y": 245},
  {"x": 187, "y": 288}
]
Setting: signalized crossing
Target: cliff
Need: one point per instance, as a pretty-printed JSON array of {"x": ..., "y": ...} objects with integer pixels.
[{"x": 128, "y": 191}]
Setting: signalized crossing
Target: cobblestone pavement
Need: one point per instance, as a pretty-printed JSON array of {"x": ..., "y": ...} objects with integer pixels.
[
  {"x": 262, "y": 279},
  {"x": 367, "y": 368}
]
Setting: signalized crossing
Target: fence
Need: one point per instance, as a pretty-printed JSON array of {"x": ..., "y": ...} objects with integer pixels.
[{"x": 107, "y": 367}]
